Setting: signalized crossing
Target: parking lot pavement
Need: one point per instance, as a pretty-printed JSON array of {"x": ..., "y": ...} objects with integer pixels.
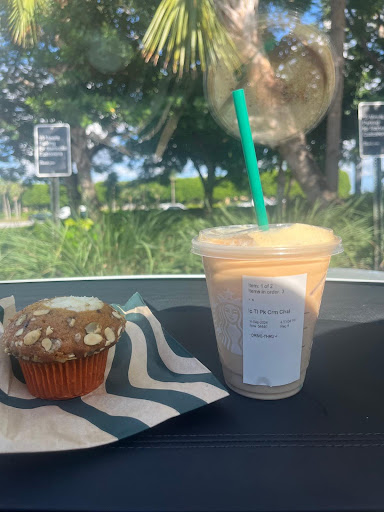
[{"x": 20, "y": 224}]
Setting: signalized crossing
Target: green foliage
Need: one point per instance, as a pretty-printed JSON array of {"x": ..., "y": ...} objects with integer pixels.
[
  {"x": 141, "y": 193},
  {"x": 37, "y": 196},
  {"x": 293, "y": 189},
  {"x": 22, "y": 20},
  {"x": 188, "y": 191},
  {"x": 101, "y": 192},
  {"x": 227, "y": 189},
  {"x": 193, "y": 33},
  {"x": 269, "y": 182},
  {"x": 344, "y": 185},
  {"x": 351, "y": 221},
  {"x": 126, "y": 243},
  {"x": 87, "y": 68}
]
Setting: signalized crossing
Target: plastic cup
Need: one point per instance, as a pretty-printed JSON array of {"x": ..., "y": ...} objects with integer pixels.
[{"x": 265, "y": 303}]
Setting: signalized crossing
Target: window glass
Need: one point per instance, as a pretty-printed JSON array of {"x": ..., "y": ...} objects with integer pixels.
[{"x": 128, "y": 104}]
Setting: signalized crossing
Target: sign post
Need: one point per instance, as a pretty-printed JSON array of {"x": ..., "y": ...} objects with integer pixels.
[
  {"x": 54, "y": 188},
  {"x": 53, "y": 158},
  {"x": 371, "y": 135}
]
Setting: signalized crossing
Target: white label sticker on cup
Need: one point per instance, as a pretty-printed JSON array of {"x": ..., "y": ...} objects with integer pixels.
[{"x": 273, "y": 320}]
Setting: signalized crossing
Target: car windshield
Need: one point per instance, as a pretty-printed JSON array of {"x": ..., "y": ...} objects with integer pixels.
[{"x": 120, "y": 142}]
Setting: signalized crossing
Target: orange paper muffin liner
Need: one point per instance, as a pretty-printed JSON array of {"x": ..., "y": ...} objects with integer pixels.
[{"x": 59, "y": 381}]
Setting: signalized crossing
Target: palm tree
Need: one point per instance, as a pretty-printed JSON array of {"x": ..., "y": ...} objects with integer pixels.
[
  {"x": 15, "y": 192},
  {"x": 173, "y": 32},
  {"x": 4, "y": 189},
  {"x": 156, "y": 191},
  {"x": 112, "y": 190},
  {"x": 193, "y": 34},
  {"x": 22, "y": 20}
]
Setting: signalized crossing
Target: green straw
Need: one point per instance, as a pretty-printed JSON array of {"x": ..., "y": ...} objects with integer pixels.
[{"x": 250, "y": 157}]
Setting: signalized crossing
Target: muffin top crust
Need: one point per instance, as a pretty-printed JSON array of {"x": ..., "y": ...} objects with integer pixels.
[{"x": 62, "y": 328}]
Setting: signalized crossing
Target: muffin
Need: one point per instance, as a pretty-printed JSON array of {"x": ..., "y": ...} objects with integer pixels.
[{"x": 62, "y": 344}]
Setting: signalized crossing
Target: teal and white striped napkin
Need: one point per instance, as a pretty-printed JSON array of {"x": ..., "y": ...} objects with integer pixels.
[{"x": 149, "y": 379}]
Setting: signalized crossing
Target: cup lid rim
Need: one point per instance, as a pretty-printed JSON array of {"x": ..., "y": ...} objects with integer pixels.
[{"x": 213, "y": 250}]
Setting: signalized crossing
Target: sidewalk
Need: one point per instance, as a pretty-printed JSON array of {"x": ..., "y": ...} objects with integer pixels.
[{"x": 17, "y": 224}]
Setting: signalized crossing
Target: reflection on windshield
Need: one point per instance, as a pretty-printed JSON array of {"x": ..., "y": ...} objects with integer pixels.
[{"x": 119, "y": 140}]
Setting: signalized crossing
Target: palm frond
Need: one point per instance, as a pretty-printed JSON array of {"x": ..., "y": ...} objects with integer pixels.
[
  {"x": 179, "y": 40},
  {"x": 171, "y": 42},
  {"x": 188, "y": 33},
  {"x": 157, "y": 19},
  {"x": 22, "y": 21}
]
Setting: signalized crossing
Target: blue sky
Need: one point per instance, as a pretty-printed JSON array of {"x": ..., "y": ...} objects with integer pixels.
[{"x": 367, "y": 178}]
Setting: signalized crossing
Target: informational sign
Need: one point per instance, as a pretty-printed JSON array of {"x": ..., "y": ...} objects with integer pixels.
[
  {"x": 371, "y": 129},
  {"x": 52, "y": 150}
]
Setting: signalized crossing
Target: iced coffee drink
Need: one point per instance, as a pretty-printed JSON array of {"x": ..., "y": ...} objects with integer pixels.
[{"x": 265, "y": 290}]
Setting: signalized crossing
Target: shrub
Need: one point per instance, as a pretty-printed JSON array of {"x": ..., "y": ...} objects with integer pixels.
[{"x": 126, "y": 243}]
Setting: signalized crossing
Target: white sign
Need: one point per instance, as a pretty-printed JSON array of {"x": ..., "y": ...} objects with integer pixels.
[
  {"x": 371, "y": 129},
  {"x": 52, "y": 150}
]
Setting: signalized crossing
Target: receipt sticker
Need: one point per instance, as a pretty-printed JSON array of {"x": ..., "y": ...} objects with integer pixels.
[{"x": 273, "y": 320}]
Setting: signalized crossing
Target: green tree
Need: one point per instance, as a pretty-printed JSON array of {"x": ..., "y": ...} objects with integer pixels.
[
  {"x": 189, "y": 190},
  {"x": 335, "y": 113},
  {"x": 199, "y": 139},
  {"x": 87, "y": 71},
  {"x": 15, "y": 192},
  {"x": 364, "y": 66},
  {"x": 156, "y": 192},
  {"x": 127, "y": 196},
  {"x": 238, "y": 18},
  {"x": 4, "y": 189},
  {"x": 22, "y": 20},
  {"x": 112, "y": 190},
  {"x": 37, "y": 196}
]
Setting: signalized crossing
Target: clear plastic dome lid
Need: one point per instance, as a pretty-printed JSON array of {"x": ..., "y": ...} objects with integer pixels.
[{"x": 251, "y": 242}]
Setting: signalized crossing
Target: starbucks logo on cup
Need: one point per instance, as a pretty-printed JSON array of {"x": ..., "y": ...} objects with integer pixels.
[{"x": 228, "y": 318}]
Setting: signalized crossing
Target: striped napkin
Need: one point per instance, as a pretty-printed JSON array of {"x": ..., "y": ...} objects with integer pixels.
[{"x": 149, "y": 379}]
